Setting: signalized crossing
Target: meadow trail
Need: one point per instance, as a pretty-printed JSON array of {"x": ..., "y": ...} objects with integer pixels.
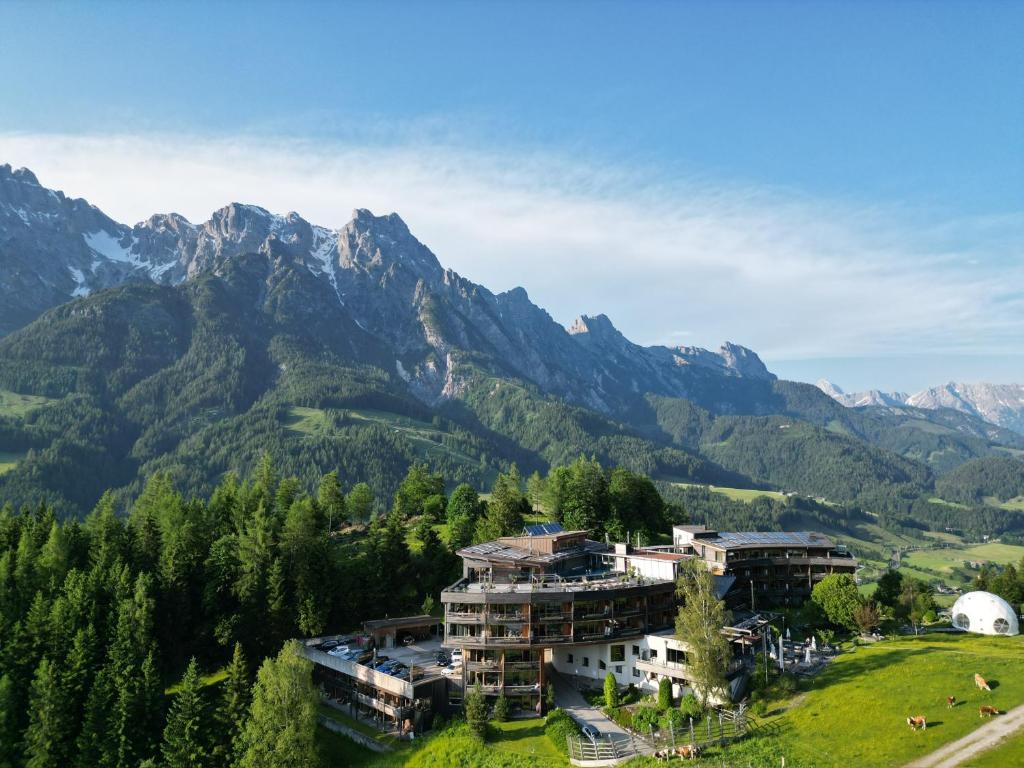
[{"x": 987, "y": 736}]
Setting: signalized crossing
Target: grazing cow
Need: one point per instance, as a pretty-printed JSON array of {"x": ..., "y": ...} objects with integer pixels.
[
  {"x": 980, "y": 682},
  {"x": 986, "y": 710},
  {"x": 920, "y": 721},
  {"x": 688, "y": 751},
  {"x": 951, "y": 701}
]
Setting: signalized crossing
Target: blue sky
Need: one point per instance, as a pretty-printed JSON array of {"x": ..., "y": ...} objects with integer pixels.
[{"x": 822, "y": 181}]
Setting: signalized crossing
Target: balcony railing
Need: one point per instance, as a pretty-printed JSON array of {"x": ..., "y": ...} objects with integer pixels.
[
  {"x": 465, "y": 617},
  {"x": 508, "y": 618},
  {"x": 545, "y": 617},
  {"x": 524, "y": 688}
]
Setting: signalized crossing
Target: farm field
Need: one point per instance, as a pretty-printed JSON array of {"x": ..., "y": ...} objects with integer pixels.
[
  {"x": 949, "y": 562},
  {"x": 855, "y": 711}
]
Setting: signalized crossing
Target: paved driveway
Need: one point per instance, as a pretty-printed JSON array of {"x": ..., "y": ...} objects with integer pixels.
[{"x": 572, "y": 701}]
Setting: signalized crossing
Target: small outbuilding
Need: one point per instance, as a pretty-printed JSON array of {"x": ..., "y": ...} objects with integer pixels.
[{"x": 985, "y": 614}]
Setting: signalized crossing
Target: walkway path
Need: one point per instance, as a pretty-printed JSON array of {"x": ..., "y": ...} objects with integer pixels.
[
  {"x": 572, "y": 701},
  {"x": 987, "y": 736}
]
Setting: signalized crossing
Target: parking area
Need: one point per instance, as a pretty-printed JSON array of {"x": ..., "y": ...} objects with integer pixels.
[{"x": 419, "y": 656}]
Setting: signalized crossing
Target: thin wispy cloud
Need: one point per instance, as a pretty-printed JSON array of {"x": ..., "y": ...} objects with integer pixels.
[{"x": 791, "y": 276}]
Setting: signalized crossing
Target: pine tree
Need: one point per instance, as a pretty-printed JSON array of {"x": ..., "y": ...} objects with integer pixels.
[
  {"x": 505, "y": 508},
  {"x": 232, "y": 709},
  {"x": 46, "y": 738},
  {"x": 184, "y": 743},
  {"x": 95, "y": 745},
  {"x": 9, "y": 756},
  {"x": 476, "y": 711}
]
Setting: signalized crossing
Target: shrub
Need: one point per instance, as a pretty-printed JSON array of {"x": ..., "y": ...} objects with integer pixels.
[
  {"x": 558, "y": 726},
  {"x": 501, "y": 708},
  {"x": 632, "y": 695},
  {"x": 673, "y": 718},
  {"x": 550, "y": 697},
  {"x": 930, "y": 617},
  {"x": 645, "y": 718},
  {"x": 611, "y": 691},
  {"x": 664, "y": 693},
  {"x": 689, "y": 706},
  {"x": 623, "y": 717},
  {"x": 786, "y": 685}
]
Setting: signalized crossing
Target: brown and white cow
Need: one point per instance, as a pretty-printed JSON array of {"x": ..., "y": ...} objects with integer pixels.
[
  {"x": 951, "y": 701},
  {"x": 688, "y": 751},
  {"x": 987, "y": 710},
  {"x": 980, "y": 682},
  {"x": 918, "y": 721}
]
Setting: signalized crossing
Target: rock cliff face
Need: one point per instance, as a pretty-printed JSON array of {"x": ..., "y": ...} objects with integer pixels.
[{"x": 429, "y": 321}]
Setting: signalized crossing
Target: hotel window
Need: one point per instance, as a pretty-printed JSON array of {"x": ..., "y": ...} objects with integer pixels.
[
  {"x": 601, "y": 664},
  {"x": 570, "y": 658},
  {"x": 618, "y": 670},
  {"x": 636, "y": 650},
  {"x": 636, "y": 672},
  {"x": 618, "y": 653},
  {"x": 586, "y": 661}
]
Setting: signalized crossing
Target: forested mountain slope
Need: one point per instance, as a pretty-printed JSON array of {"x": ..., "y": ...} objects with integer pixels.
[{"x": 194, "y": 348}]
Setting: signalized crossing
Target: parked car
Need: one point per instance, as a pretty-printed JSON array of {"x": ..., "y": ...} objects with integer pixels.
[
  {"x": 364, "y": 657},
  {"x": 456, "y": 655},
  {"x": 442, "y": 659},
  {"x": 328, "y": 645},
  {"x": 408, "y": 640},
  {"x": 452, "y": 670},
  {"x": 379, "y": 662},
  {"x": 590, "y": 732},
  {"x": 397, "y": 669},
  {"x": 339, "y": 650}
]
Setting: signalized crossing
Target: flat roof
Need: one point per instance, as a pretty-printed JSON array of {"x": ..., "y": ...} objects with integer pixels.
[
  {"x": 423, "y": 620},
  {"x": 499, "y": 550},
  {"x": 655, "y": 555},
  {"x": 740, "y": 539}
]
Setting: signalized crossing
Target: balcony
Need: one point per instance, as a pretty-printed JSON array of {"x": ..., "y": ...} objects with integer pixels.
[
  {"x": 522, "y": 689},
  {"x": 507, "y": 618},
  {"x": 547, "y": 617},
  {"x": 475, "y": 617}
]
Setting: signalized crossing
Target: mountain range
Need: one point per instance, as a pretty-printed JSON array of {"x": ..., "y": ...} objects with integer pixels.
[
  {"x": 193, "y": 348},
  {"x": 1000, "y": 404}
]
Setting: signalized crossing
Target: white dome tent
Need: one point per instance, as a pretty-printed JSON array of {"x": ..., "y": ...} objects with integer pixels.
[{"x": 984, "y": 614}]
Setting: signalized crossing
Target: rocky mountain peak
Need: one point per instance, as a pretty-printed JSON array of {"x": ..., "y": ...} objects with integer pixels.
[{"x": 20, "y": 175}]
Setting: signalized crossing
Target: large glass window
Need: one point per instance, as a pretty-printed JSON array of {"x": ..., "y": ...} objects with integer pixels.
[
  {"x": 618, "y": 653},
  {"x": 961, "y": 621},
  {"x": 1002, "y": 626}
]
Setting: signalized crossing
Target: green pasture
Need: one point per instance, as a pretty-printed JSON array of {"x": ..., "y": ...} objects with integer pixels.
[
  {"x": 736, "y": 494},
  {"x": 854, "y": 712},
  {"x": 17, "y": 406}
]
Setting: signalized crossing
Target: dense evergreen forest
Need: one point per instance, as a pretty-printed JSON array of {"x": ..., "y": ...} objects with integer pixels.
[{"x": 99, "y": 618}]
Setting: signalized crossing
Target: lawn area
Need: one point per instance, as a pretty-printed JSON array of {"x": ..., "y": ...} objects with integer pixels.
[
  {"x": 525, "y": 737},
  {"x": 855, "y": 711},
  {"x": 15, "y": 405},
  {"x": 736, "y": 494},
  {"x": 214, "y": 678},
  {"x": 9, "y": 460}
]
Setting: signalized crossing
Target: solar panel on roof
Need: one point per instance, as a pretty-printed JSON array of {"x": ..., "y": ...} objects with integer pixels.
[{"x": 543, "y": 529}]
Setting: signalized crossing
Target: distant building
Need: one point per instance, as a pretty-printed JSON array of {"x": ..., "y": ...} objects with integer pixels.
[{"x": 783, "y": 566}]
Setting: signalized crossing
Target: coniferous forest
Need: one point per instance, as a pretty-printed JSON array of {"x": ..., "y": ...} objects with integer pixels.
[{"x": 158, "y": 632}]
